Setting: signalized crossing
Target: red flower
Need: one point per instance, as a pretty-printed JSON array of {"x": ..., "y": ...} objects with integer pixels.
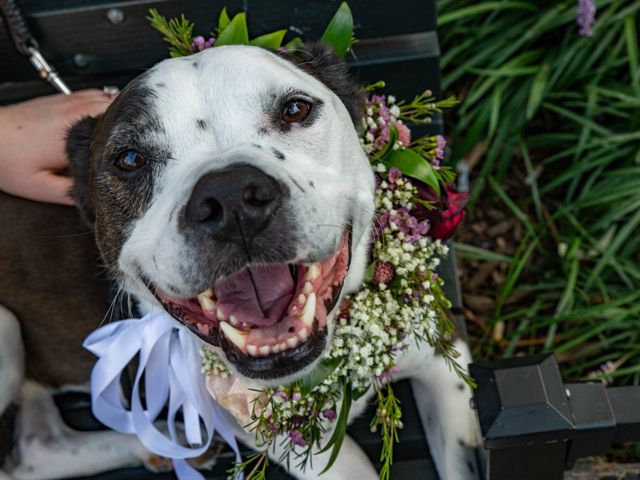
[{"x": 448, "y": 211}]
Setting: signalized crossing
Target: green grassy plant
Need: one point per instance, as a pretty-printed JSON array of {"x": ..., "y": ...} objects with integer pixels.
[{"x": 563, "y": 111}]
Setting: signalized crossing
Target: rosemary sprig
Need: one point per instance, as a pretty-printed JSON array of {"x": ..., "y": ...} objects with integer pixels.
[
  {"x": 389, "y": 419},
  {"x": 177, "y": 32}
]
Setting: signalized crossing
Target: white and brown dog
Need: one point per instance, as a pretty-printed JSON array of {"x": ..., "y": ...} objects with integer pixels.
[{"x": 236, "y": 171}]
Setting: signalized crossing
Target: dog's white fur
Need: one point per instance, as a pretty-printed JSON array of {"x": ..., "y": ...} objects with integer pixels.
[{"x": 224, "y": 91}]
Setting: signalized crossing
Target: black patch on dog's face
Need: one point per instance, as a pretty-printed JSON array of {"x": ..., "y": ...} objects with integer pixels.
[
  {"x": 108, "y": 197},
  {"x": 201, "y": 124},
  {"x": 321, "y": 61}
]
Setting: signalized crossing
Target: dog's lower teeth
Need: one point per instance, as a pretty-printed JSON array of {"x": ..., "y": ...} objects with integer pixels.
[
  {"x": 309, "y": 311},
  {"x": 292, "y": 342},
  {"x": 252, "y": 350},
  {"x": 303, "y": 334},
  {"x": 265, "y": 350},
  {"x": 308, "y": 288},
  {"x": 238, "y": 338}
]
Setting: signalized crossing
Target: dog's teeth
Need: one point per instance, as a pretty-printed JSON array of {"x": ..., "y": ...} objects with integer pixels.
[
  {"x": 292, "y": 342},
  {"x": 302, "y": 299},
  {"x": 309, "y": 312},
  {"x": 308, "y": 288},
  {"x": 283, "y": 346},
  {"x": 303, "y": 334},
  {"x": 206, "y": 302},
  {"x": 238, "y": 338},
  {"x": 275, "y": 348},
  {"x": 220, "y": 315},
  {"x": 252, "y": 350},
  {"x": 313, "y": 272},
  {"x": 265, "y": 350},
  {"x": 233, "y": 320}
]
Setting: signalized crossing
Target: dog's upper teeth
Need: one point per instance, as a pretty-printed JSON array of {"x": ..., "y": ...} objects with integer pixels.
[
  {"x": 309, "y": 312},
  {"x": 252, "y": 350},
  {"x": 302, "y": 299},
  {"x": 234, "y": 321},
  {"x": 220, "y": 315},
  {"x": 292, "y": 342},
  {"x": 308, "y": 288},
  {"x": 313, "y": 272},
  {"x": 207, "y": 303},
  {"x": 237, "y": 337}
]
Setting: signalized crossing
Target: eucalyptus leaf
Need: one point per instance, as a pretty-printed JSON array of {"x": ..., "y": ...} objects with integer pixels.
[
  {"x": 339, "y": 32},
  {"x": 223, "y": 20},
  {"x": 294, "y": 43},
  {"x": 335, "y": 442},
  {"x": 272, "y": 40},
  {"x": 413, "y": 165},
  {"x": 236, "y": 33},
  {"x": 319, "y": 374}
]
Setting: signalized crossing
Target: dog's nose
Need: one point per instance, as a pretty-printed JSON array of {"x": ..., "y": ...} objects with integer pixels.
[{"x": 233, "y": 203}]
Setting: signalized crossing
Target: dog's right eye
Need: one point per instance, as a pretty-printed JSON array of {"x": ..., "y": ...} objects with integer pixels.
[{"x": 129, "y": 160}]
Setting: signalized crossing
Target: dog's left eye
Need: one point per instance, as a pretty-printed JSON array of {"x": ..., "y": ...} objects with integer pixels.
[
  {"x": 129, "y": 160},
  {"x": 295, "y": 111}
]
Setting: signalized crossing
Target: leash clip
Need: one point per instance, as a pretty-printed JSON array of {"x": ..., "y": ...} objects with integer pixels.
[{"x": 46, "y": 71}]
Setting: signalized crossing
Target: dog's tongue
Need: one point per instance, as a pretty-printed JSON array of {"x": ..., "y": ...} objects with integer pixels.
[{"x": 258, "y": 295}]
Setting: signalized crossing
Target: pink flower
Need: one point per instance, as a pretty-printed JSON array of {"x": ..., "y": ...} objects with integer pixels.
[
  {"x": 404, "y": 134},
  {"x": 383, "y": 273},
  {"x": 237, "y": 396}
]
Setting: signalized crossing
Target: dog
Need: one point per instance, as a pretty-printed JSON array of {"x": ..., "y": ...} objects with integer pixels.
[{"x": 214, "y": 187}]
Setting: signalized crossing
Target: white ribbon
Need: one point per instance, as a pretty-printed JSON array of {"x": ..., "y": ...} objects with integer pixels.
[{"x": 169, "y": 358}]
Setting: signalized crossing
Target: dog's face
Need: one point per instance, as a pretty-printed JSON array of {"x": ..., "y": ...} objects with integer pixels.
[{"x": 230, "y": 187}]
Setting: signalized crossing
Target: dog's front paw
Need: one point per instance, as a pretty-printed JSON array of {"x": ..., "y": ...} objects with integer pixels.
[{"x": 157, "y": 464}]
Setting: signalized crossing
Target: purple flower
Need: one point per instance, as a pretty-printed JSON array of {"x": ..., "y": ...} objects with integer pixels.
[
  {"x": 297, "y": 438},
  {"x": 296, "y": 396},
  {"x": 586, "y": 17},
  {"x": 199, "y": 43},
  {"x": 394, "y": 174},
  {"x": 329, "y": 414}
]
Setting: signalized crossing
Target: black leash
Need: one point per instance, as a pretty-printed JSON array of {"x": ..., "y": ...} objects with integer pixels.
[{"x": 27, "y": 44}]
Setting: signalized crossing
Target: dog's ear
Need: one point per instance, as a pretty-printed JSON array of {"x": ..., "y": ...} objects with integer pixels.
[
  {"x": 79, "y": 138},
  {"x": 321, "y": 61}
]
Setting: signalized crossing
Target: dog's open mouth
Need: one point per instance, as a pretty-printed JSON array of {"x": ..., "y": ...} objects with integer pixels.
[{"x": 269, "y": 320}]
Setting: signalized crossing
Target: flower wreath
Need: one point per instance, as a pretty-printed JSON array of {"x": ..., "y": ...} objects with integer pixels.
[{"x": 401, "y": 300}]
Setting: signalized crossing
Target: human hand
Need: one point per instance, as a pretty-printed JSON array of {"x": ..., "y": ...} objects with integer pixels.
[{"x": 32, "y": 143}]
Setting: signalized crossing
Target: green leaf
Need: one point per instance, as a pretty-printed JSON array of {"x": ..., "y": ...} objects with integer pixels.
[
  {"x": 319, "y": 374},
  {"x": 538, "y": 88},
  {"x": 223, "y": 20},
  {"x": 413, "y": 165},
  {"x": 341, "y": 429},
  {"x": 339, "y": 32},
  {"x": 294, "y": 43},
  {"x": 272, "y": 40},
  {"x": 236, "y": 33},
  {"x": 473, "y": 10}
]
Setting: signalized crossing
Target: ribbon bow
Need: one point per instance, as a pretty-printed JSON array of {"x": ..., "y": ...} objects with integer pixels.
[{"x": 169, "y": 359}]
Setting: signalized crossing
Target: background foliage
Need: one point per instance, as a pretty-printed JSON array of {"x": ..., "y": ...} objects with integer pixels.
[{"x": 550, "y": 124}]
